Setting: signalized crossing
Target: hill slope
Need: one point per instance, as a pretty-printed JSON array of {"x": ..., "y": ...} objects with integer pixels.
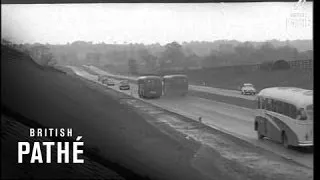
[{"x": 119, "y": 135}]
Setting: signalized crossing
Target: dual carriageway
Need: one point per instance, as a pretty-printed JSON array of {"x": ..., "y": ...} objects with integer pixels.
[{"x": 235, "y": 120}]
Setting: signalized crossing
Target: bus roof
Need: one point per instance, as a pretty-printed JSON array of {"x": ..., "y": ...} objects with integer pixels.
[
  {"x": 149, "y": 77},
  {"x": 296, "y": 96},
  {"x": 247, "y": 84},
  {"x": 175, "y": 75}
]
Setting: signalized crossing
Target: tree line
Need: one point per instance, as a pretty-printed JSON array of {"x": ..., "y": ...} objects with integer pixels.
[{"x": 143, "y": 59}]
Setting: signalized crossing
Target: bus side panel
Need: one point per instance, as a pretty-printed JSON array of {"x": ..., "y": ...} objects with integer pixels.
[
  {"x": 274, "y": 131},
  {"x": 292, "y": 137},
  {"x": 142, "y": 87},
  {"x": 139, "y": 88},
  {"x": 261, "y": 122}
]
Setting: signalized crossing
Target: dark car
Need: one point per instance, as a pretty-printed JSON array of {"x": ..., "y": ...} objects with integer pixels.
[
  {"x": 109, "y": 82},
  {"x": 124, "y": 85}
]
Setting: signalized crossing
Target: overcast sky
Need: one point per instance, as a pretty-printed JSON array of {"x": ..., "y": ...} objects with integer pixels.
[{"x": 152, "y": 23}]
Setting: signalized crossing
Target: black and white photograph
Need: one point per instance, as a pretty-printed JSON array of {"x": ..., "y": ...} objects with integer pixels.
[{"x": 219, "y": 90}]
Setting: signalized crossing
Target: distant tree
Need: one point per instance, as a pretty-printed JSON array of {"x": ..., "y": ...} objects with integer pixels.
[
  {"x": 192, "y": 61},
  {"x": 267, "y": 50},
  {"x": 94, "y": 57},
  {"x": 280, "y": 65},
  {"x": 150, "y": 60},
  {"x": 226, "y": 48},
  {"x": 6, "y": 42},
  {"x": 172, "y": 56},
  {"x": 245, "y": 49},
  {"x": 133, "y": 68}
]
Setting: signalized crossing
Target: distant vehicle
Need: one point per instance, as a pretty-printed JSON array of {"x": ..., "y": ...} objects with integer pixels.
[
  {"x": 285, "y": 114},
  {"x": 248, "y": 88},
  {"x": 110, "y": 82},
  {"x": 102, "y": 78},
  {"x": 175, "y": 85},
  {"x": 124, "y": 85},
  {"x": 149, "y": 86}
]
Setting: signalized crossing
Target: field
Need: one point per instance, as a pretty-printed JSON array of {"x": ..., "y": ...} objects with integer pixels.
[{"x": 228, "y": 78}]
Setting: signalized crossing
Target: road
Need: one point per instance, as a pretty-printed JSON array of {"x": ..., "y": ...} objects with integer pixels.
[
  {"x": 232, "y": 119},
  {"x": 206, "y": 89}
]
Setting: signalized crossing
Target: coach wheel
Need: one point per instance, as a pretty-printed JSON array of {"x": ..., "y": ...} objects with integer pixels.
[{"x": 285, "y": 140}]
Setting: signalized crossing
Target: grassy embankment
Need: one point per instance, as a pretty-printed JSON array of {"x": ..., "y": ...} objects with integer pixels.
[{"x": 122, "y": 139}]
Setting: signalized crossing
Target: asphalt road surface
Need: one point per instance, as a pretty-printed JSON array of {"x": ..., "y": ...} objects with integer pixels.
[
  {"x": 232, "y": 119},
  {"x": 206, "y": 89}
]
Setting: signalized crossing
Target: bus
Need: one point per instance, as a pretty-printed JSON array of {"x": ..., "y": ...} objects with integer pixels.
[
  {"x": 149, "y": 86},
  {"x": 285, "y": 115},
  {"x": 175, "y": 85}
]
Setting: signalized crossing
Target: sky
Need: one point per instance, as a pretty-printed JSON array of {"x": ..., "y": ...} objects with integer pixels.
[{"x": 155, "y": 23}]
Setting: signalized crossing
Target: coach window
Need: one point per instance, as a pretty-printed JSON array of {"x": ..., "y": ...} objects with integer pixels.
[
  {"x": 292, "y": 111},
  {"x": 274, "y": 106},
  {"x": 280, "y": 107},
  {"x": 265, "y": 102},
  {"x": 286, "y": 109},
  {"x": 262, "y": 103},
  {"x": 269, "y": 104}
]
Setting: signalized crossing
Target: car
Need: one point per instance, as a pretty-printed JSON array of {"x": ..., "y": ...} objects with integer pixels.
[
  {"x": 124, "y": 85},
  {"x": 248, "y": 88},
  {"x": 109, "y": 82}
]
